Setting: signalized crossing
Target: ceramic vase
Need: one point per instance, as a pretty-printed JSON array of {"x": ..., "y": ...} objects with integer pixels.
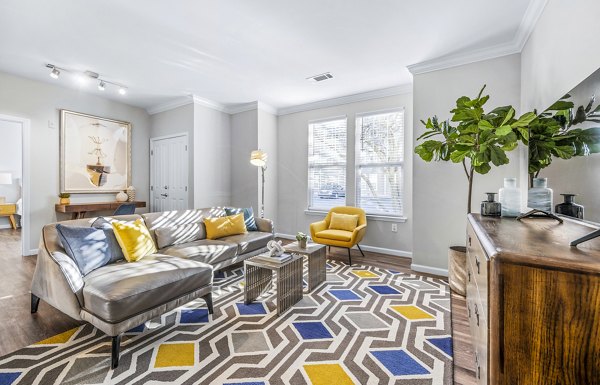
[
  {"x": 131, "y": 194},
  {"x": 121, "y": 197},
  {"x": 302, "y": 243}
]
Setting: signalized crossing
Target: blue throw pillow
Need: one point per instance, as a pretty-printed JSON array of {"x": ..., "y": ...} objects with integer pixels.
[
  {"x": 87, "y": 246},
  {"x": 248, "y": 216},
  {"x": 116, "y": 253}
]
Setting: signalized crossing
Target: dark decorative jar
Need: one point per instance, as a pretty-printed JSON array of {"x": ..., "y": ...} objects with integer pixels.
[
  {"x": 491, "y": 208},
  {"x": 570, "y": 208}
]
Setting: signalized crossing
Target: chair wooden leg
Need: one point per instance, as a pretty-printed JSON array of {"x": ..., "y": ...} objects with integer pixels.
[
  {"x": 116, "y": 347},
  {"x": 357, "y": 245},
  {"x": 349, "y": 257},
  {"x": 209, "y": 302},
  {"x": 35, "y": 302}
]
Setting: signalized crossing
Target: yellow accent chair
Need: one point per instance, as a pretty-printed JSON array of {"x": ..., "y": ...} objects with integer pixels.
[{"x": 344, "y": 226}]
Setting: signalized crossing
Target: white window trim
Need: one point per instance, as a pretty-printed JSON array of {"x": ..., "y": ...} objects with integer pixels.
[{"x": 375, "y": 217}]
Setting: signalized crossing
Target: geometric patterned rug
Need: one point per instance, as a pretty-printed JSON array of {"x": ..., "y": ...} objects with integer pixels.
[{"x": 365, "y": 325}]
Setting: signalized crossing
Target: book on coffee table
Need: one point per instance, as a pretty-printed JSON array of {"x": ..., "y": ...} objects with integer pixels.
[{"x": 279, "y": 259}]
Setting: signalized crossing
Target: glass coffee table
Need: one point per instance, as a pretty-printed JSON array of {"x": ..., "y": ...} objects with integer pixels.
[
  {"x": 288, "y": 277},
  {"x": 316, "y": 254}
]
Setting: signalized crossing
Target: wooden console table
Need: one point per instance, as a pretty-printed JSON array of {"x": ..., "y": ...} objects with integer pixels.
[
  {"x": 9, "y": 210},
  {"x": 79, "y": 210}
]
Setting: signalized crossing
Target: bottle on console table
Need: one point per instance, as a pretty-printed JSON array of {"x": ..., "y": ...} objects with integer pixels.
[{"x": 510, "y": 198}]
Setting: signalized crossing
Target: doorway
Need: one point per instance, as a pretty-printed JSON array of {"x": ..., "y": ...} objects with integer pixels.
[{"x": 169, "y": 177}]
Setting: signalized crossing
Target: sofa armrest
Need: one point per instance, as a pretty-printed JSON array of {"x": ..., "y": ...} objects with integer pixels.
[
  {"x": 265, "y": 225},
  {"x": 315, "y": 227},
  {"x": 358, "y": 234}
]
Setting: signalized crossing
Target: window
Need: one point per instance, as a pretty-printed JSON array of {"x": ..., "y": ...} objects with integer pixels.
[
  {"x": 327, "y": 164},
  {"x": 379, "y": 160}
]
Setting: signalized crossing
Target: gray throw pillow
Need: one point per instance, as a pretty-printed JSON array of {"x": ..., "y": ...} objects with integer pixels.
[
  {"x": 116, "y": 254},
  {"x": 87, "y": 246}
]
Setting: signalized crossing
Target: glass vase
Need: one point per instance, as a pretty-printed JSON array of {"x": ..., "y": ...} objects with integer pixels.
[
  {"x": 510, "y": 198},
  {"x": 569, "y": 207},
  {"x": 540, "y": 196}
]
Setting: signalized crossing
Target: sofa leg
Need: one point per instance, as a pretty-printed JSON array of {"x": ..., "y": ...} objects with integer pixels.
[
  {"x": 35, "y": 302},
  {"x": 357, "y": 245},
  {"x": 209, "y": 303},
  {"x": 349, "y": 257},
  {"x": 116, "y": 347}
]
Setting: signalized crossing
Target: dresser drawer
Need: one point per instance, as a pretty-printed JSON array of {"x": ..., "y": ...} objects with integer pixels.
[
  {"x": 479, "y": 334},
  {"x": 8, "y": 209},
  {"x": 477, "y": 259}
]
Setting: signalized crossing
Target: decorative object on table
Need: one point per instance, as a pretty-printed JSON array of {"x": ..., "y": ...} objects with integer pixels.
[
  {"x": 478, "y": 141},
  {"x": 323, "y": 233},
  {"x": 121, "y": 196},
  {"x": 569, "y": 207},
  {"x": 540, "y": 196},
  {"x": 5, "y": 178},
  {"x": 95, "y": 154},
  {"x": 131, "y": 194},
  {"x": 302, "y": 239},
  {"x": 275, "y": 248},
  {"x": 491, "y": 208},
  {"x": 510, "y": 198},
  {"x": 535, "y": 214},
  {"x": 258, "y": 158},
  {"x": 65, "y": 198}
]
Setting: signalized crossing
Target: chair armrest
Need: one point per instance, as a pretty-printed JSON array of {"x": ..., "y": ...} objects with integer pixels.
[
  {"x": 315, "y": 227},
  {"x": 358, "y": 234},
  {"x": 265, "y": 225}
]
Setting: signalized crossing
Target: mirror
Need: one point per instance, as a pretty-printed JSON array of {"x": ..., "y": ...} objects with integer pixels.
[{"x": 564, "y": 148}]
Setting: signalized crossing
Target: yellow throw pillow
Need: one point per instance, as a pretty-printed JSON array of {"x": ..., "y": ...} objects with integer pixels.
[
  {"x": 343, "y": 222},
  {"x": 134, "y": 238},
  {"x": 223, "y": 226}
]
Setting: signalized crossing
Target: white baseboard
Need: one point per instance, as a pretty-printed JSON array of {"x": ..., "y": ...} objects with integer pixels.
[
  {"x": 429, "y": 270},
  {"x": 32, "y": 252},
  {"x": 374, "y": 249}
]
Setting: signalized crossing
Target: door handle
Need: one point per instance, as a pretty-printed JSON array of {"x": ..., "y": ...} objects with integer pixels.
[
  {"x": 164, "y": 195},
  {"x": 166, "y": 187}
]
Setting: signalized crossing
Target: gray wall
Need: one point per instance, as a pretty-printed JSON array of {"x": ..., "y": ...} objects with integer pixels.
[
  {"x": 40, "y": 102},
  {"x": 440, "y": 188},
  {"x": 212, "y": 157},
  {"x": 293, "y": 172},
  {"x": 10, "y": 161},
  {"x": 244, "y": 180},
  {"x": 177, "y": 121},
  {"x": 267, "y": 141}
]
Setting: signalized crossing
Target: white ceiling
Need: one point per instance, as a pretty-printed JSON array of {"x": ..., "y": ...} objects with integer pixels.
[{"x": 238, "y": 51}]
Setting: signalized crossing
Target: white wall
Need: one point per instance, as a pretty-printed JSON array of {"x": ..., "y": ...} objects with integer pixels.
[
  {"x": 293, "y": 171},
  {"x": 40, "y": 102},
  {"x": 244, "y": 139},
  {"x": 267, "y": 141},
  {"x": 212, "y": 157},
  {"x": 10, "y": 161},
  {"x": 561, "y": 51},
  {"x": 177, "y": 121},
  {"x": 440, "y": 188}
]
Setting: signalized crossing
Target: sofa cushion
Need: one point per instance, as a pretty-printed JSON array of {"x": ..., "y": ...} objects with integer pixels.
[
  {"x": 338, "y": 235},
  {"x": 343, "y": 222},
  {"x": 248, "y": 216},
  {"x": 249, "y": 242},
  {"x": 116, "y": 254},
  {"x": 87, "y": 246},
  {"x": 135, "y": 239},
  {"x": 223, "y": 226},
  {"x": 175, "y": 235},
  {"x": 204, "y": 250},
  {"x": 118, "y": 291}
]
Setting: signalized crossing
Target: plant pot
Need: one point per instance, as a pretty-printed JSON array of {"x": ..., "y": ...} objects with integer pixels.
[
  {"x": 302, "y": 243},
  {"x": 64, "y": 201},
  {"x": 457, "y": 269}
]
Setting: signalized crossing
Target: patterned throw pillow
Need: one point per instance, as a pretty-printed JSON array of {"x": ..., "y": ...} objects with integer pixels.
[
  {"x": 135, "y": 239},
  {"x": 87, "y": 246},
  {"x": 248, "y": 216}
]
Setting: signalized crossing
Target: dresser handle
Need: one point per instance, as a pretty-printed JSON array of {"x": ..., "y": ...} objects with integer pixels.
[
  {"x": 469, "y": 309},
  {"x": 478, "y": 371},
  {"x": 469, "y": 240},
  {"x": 469, "y": 274},
  {"x": 477, "y": 314},
  {"x": 477, "y": 263}
]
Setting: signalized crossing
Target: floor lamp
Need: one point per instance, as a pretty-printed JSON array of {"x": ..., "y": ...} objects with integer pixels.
[{"x": 259, "y": 159}]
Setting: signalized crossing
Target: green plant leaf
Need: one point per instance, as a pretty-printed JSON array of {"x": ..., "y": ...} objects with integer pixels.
[
  {"x": 503, "y": 131},
  {"x": 497, "y": 156},
  {"x": 560, "y": 105},
  {"x": 458, "y": 156},
  {"x": 524, "y": 120},
  {"x": 483, "y": 168},
  {"x": 509, "y": 115}
]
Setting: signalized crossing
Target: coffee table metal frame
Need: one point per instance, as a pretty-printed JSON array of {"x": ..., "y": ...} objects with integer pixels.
[
  {"x": 288, "y": 276},
  {"x": 317, "y": 261}
]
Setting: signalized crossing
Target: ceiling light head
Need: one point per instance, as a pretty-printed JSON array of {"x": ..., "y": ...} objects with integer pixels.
[
  {"x": 55, "y": 73},
  {"x": 101, "y": 85},
  {"x": 122, "y": 90}
]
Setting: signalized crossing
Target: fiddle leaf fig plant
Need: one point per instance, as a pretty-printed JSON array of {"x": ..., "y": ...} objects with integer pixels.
[
  {"x": 475, "y": 138},
  {"x": 554, "y": 134}
]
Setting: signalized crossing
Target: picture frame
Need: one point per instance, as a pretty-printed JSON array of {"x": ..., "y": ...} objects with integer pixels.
[{"x": 95, "y": 154}]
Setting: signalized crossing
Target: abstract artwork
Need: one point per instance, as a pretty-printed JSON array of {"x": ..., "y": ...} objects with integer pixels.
[{"x": 95, "y": 154}]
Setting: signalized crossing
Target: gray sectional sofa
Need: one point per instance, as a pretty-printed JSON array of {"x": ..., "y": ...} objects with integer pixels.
[{"x": 120, "y": 296}]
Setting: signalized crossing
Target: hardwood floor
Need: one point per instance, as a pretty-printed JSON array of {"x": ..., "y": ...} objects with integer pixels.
[{"x": 19, "y": 328}]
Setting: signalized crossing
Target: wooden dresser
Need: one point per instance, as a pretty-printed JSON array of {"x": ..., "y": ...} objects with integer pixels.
[{"x": 533, "y": 301}]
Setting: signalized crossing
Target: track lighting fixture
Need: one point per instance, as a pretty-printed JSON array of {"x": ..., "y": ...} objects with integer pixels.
[{"x": 82, "y": 78}]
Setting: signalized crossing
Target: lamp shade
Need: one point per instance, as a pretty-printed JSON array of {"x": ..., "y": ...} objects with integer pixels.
[
  {"x": 258, "y": 158},
  {"x": 5, "y": 178}
]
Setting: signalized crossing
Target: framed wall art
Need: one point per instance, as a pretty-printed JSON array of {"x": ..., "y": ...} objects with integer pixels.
[{"x": 95, "y": 154}]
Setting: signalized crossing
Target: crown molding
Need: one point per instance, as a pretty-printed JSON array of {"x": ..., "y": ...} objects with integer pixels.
[
  {"x": 209, "y": 103},
  {"x": 376, "y": 94},
  {"x": 170, "y": 105},
  {"x": 531, "y": 16},
  {"x": 257, "y": 105}
]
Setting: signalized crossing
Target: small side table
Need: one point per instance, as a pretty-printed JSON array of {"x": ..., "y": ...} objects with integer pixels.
[
  {"x": 259, "y": 277},
  {"x": 9, "y": 210},
  {"x": 317, "y": 264}
]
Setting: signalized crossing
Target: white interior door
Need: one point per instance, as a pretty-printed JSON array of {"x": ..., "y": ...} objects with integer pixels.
[{"x": 169, "y": 173}]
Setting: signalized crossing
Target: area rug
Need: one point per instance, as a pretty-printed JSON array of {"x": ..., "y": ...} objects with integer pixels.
[{"x": 365, "y": 325}]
